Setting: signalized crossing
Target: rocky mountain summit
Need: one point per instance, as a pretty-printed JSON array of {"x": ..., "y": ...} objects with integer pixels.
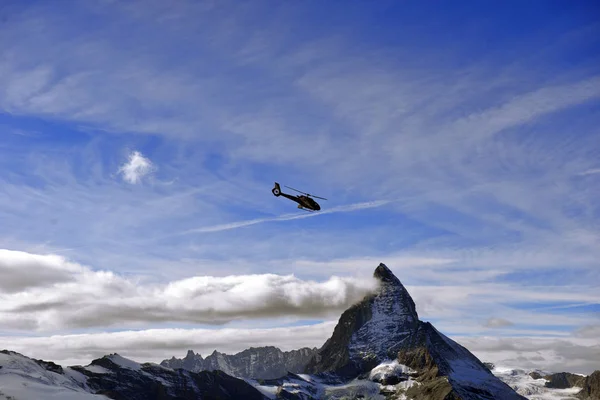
[
  {"x": 256, "y": 362},
  {"x": 370, "y": 331},
  {"x": 385, "y": 328}
]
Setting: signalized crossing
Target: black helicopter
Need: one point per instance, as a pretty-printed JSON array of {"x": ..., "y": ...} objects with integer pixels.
[{"x": 305, "y": 202}]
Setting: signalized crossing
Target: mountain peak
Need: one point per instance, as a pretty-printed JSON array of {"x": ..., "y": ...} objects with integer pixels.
[
  {"x": 385, "y": 326},
  {"x": 369, "y": 331},
  {"x": 384, "y": 274}
]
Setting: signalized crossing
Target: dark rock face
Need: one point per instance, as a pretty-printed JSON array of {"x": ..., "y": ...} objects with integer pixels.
[
  {"x": 385, "y": 326},
  {"x": 591, "y": 387},
  {"x": 489, "y": 365},
  {"x": 124, "y": 380},
  {"x": 535, "y": 375},
  {"x": 256, "y": 362},
  {"x": 50, "y": 366},
  {"x": 564, "y": 380}
]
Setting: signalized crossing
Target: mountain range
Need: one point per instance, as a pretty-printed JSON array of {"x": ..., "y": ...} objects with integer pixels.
[
  {"x": 379, "y": 349},
  {"x": 256, "y": 362}
]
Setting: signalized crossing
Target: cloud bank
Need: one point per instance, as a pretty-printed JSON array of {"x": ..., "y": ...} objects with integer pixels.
[
  {"x": 155, "y": 345},
  {"x": 48, "y": 292},
  {"x": 552, "y": 354}
]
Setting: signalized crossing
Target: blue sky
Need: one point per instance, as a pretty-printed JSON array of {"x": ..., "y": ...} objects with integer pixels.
[{"x": 456, "y": 142}]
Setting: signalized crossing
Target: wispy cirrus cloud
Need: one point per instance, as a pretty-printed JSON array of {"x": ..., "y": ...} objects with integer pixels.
[
  {"x": 590, "y": 171},
  {"x": 289, "y": 217},
  {"x": 497, "y": 323}
]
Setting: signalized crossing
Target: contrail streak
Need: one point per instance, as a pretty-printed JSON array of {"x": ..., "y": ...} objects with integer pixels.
[
  {"x": 590, "y": 171},
  {"x": 287, "y": 217}
]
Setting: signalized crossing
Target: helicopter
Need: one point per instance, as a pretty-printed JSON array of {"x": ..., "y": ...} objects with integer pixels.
[{"x": 305, "y": 201}]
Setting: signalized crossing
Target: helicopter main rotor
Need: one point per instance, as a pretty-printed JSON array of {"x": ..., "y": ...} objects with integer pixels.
[{"x": 309, "y": 195}]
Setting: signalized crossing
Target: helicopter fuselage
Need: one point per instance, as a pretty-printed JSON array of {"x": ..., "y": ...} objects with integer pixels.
[{"x": 304, "y": 202}]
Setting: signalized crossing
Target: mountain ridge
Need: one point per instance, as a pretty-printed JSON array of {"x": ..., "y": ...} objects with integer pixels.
[{"x": 265, "y": 362}]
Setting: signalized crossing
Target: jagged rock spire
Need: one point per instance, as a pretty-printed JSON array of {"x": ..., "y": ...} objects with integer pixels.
[
  {"x": 393, "y": 316},
  {"x": 368, "y": 331}
]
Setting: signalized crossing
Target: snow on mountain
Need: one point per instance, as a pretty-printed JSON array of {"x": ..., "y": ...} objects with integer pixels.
[
  {"x": 525, "y": 383},
  {"x": 389, "y": 371},
  {"x": 468, "y": 376},
  {"x": 114, "y": 377},
  {"x": 124, "y": 362},
  {"x": 127, "y": 379},
  {"x": 23, "y": 378},
  {"x": 388, "y": 380}
]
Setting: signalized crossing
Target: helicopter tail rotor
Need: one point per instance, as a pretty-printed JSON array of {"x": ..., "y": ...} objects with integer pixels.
[{"x": 276, "y": 190}]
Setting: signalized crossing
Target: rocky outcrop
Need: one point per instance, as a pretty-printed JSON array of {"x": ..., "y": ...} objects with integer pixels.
[
  {"x": 489, "y": 365},
  {"x": 564, "y": 380},
  {"x": 256, "y": 362},
  {"x": 535, "y": 375},
  {"x": 591, "y": 387},
  {"x": 191, "y": 362}
]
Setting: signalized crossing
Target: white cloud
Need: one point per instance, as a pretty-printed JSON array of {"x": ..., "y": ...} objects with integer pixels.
[
  {"x": 588, "y": 331},
  {"x": 136, "y": 168},
  {"x": 81, "y": 297},
  {"x": 76, "y": 296},
  {"x": 21, "y": 271}
]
